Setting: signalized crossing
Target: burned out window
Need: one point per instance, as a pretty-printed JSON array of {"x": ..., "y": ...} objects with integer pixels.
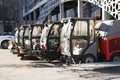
[
  {"x": 55, "y": 32},
  {"x": 37, "y": 31},
  {"x": 27, "y": 31},
  {"x": 54, "y": 37},
  {"x": 80, "y": 28}
]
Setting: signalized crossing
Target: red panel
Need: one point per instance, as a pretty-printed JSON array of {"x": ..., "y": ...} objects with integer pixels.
[
  {"x": 109, "y": 46},
  {"x": 58, "y": 49},
  {"x": 114, "y": 44},
  {"x": 104, "y": 48}
]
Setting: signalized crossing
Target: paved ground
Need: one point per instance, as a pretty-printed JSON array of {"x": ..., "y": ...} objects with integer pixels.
[{"x": 12, "y": 68}]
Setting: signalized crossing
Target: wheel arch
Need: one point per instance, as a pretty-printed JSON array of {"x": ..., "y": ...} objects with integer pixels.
[
  {"x": 114, "y": 54},
  {"x": 2, "y": 44},
  {"x": 4, "y": 40},
  {"x": 88, "y": 54},
  {"x": 91, "y": 50}
]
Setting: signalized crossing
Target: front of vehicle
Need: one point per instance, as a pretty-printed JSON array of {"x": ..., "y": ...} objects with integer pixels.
[
  {"x": 77, "y": 35},
  {"x": 50, "y": 41}
]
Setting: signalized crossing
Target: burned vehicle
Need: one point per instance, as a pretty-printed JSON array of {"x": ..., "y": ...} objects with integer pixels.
[
  {"x": 77, "y": 40},
  {"x": 84, "y": 42},
  {"x": 24, "y": 33},
  {"x": 50, "y": 42},
  {"x": 31, "y": 40},
  {"x": 15, "y": 46}
]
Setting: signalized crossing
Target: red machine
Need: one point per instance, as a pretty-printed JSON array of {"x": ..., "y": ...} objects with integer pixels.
[{"x": 110, "y": 48}]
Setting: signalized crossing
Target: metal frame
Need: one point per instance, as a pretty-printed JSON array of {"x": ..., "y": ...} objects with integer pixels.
[
  {"x": 51, "y": 55},
  {"x": 73, "y": 20},
  {"x": 31, "y": 37},
  {"x": 23, "y": 43},
  {"x": 48, "y": 38}
]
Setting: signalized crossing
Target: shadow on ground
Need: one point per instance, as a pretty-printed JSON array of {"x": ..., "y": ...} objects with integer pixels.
[
  {"x": 44, "y": 64},
  {"x": 39, "y": 63},
  {"x": 29, "y": 58},
  {"x": 110, "y": 70},
  {"x": 101, "y": 74}
]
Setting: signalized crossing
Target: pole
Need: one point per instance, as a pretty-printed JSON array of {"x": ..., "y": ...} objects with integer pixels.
[
  {"x": 80, "y": 8},
  {"x": 3, "y": 4},
  {"x": 21, "y": 12},
  {"x": 62, "y": 14},
  {"x": 103, "y": 13}
]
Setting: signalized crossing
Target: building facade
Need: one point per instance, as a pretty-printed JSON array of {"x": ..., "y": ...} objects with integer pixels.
[
  {"x": 9, "y": 15},
  {"x": 41, "y": 10}
]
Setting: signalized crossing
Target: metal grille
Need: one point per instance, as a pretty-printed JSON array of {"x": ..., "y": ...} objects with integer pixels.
[{"x": 114, "y": 44}]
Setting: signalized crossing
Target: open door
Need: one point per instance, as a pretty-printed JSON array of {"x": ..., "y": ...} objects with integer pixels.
[{"x": 53, "y": 40}]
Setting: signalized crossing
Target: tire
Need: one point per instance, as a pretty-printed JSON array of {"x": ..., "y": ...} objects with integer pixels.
[
  {"x": 115, "y": 57},
  {"x": 4, "y": 45},
  {"x": 88, "y": 59},
  {"x": 36, "y": 46}
]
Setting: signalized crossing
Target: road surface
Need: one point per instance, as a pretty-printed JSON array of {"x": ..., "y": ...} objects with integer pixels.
[{"x": 12, "y": 68}]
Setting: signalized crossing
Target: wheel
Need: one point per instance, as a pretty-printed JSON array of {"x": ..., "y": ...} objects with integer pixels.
[
  {"x": 88, "y": 59},
  {"x": 36, "y": 46},
  {"x": 115, "y": 57},
  {"x": 4, "y": 44}
]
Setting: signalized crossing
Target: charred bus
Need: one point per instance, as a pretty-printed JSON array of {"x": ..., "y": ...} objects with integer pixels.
[{"x": 82, "y": 41}]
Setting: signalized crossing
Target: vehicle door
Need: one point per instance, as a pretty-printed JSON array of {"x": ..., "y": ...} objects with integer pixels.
[
  {"x": 36, "y": 34},
  {"x": 53, "y": 38},
  {"x": 82, "y": 34}
]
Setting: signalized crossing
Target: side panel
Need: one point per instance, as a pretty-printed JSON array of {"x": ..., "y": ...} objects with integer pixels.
[
  {"x": 92, "y": 49},
  {"x": 65, "y": 39},
  {"x": 109, "y": 47}
]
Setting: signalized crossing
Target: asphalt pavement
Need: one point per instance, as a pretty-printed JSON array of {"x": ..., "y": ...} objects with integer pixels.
[{"x": 12, "y": 68}]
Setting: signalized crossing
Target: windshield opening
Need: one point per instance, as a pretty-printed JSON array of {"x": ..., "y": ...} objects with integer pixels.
[{"x": 54, "y": 36}]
